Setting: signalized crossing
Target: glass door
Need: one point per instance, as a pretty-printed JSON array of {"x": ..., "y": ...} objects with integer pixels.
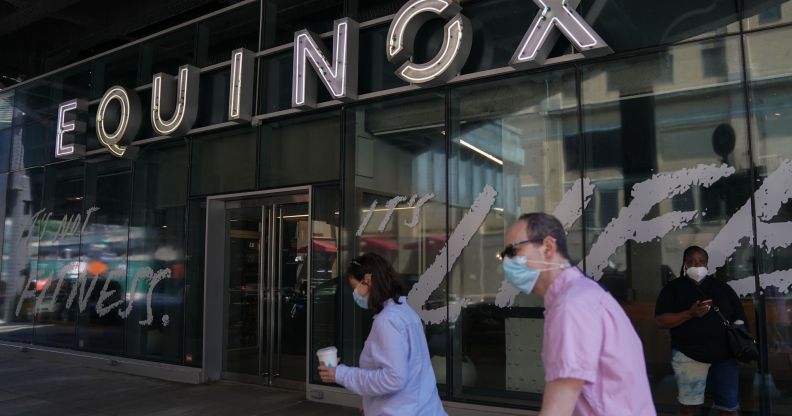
[
  {"x": 288, "y": 293},
  {"x": 267, "y": 251},
  {"x": 243, "y": 299}
]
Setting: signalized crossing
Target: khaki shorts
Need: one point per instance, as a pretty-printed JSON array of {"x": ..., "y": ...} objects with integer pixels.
[{"x": 691, "y": 378}]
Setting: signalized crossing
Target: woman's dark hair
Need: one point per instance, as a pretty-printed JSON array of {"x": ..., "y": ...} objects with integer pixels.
[
  {"x": 385, "y": 282},
  {"x": 688, "y": 252}
]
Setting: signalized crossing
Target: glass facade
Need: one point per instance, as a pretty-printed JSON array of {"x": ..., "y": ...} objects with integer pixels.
[{"x": 678, "y": 138}]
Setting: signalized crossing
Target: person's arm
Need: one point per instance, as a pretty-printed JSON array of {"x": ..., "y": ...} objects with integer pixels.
[
  {"x": 560, "y": 396},
  {"x": 670, "y": 320},
  {"x": 667, "y": 318},
  {"x": 389, "y": 349}
]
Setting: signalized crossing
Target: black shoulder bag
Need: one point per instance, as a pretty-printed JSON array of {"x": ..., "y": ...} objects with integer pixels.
[{"x": 741, "y": 343}]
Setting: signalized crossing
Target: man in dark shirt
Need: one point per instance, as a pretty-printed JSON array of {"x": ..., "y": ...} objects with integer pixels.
[{"x": 698, "y": 336}]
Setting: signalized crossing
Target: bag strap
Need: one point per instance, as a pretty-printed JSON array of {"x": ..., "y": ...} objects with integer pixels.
[{"x": 714, "y": 306}]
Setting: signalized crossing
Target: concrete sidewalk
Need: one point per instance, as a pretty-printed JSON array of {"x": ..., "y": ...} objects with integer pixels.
[{"x": 36, "y": 386}]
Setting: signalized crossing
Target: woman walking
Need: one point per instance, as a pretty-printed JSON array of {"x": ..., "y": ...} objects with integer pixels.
[{"x": 395, "y": 376}]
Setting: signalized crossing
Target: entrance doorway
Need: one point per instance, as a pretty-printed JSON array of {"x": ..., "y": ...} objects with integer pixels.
[{"x": 265, "y": 272}]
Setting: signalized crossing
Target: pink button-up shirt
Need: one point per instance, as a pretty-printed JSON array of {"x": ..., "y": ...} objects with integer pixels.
[{"x": 587, "y": 336}]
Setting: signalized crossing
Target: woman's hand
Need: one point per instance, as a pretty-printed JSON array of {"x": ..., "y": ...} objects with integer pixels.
[
  {"x": 327, "y": 374},
  {"x": 699, "y": 309}
]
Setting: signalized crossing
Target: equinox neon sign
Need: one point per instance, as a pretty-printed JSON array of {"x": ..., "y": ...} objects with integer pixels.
[{"x": 174, "y": 100}]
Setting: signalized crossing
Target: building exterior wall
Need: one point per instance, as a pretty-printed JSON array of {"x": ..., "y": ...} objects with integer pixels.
[{"x": 679, "y": 137}]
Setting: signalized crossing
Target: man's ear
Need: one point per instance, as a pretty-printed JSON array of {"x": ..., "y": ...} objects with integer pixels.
[{"x": 549, "y": 247}]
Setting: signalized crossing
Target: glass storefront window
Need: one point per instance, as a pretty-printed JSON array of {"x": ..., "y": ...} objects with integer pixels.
[
  {"x": 213, "y": 102},
  {"x": 24, "y": 191},
  {"x": 35, "y": 112},
  {"x": 223, "y": 162},
  {"x": 154, "y": 328},
  {"x": 34, "y": 102},
  {"x": 498, "y": 28},
  {"x": 284, "y": 17},
  {"x": 301, "y": 150},
  {"x": 103, "y": 253},
  {"x": 219, "y": 36},
  {"x": 167, "y": 53},
  {"x": 379, "y": 73},
  {"x": 58, "y": 249},
  {"x": 517, "y": 136},
  {"x": 326, "y": 278},
  {"x": 120, "y": 68},
  {"x": 276, "y": 73},
  {"x": 194, "y": 299},
  {"x": 666, "y": 144},
  {"x": 627, "y": 25},
  {"x": 758, "y": 14},
  {"x": 770, "y": 87},
  {"x": 398, "y": 207},
  {"x": 363, "y": 10},
  {"x": 32, "y": 144}
]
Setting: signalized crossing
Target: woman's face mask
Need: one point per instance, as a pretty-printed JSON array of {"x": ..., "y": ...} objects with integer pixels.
[
  {"x": 523, "y": 277},
  {"x": 360, "y": 300},
  {"x": 696, "y": 273}
]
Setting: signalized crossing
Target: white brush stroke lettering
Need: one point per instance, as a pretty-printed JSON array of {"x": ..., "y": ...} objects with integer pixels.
[
  {"x": 68, "y": 227},
  {"x": 43, "y": 275},
  {"x": 417, "y": 212},
  {"x": 142, "y": 274},
  {"x": 28, "y": 292},
  {"x": 630, "y": 223},
  {"x": 431, "y": 279},
  {"x": 390, "y": 206},
  {"x": 105, "y": 294},
  {"x": 82, "y": 294},
  {"x": 774, "y": 192},
  {"x": 72, "y": 267},
  {"x": 159, "y": 276},
  {"x": 366, "y": 219}
]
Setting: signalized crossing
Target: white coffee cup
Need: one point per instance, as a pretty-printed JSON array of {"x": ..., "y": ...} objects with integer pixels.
[{"x": 328, "y": 356}]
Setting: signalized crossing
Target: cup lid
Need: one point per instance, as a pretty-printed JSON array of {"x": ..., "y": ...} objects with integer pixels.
[{"x": 327, "y": 349}]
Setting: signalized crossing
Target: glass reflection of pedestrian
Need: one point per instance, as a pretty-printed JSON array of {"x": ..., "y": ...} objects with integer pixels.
[
  {"x": 395, "y": 376},
  {"x": 699, "y": 347}
]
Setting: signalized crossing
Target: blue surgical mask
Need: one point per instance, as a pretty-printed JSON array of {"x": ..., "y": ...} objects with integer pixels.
[
  {"x": 361, "y": 301},
  {"x": 523, "y": 277}
]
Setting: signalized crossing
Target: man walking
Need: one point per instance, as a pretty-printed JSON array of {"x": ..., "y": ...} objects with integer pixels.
[{"x": 592, "y": 357}]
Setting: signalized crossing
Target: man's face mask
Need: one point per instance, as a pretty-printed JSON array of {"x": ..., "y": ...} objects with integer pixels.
[{"x": 523, "y": 277}]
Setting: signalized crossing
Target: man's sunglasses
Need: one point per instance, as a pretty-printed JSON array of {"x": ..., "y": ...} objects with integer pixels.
[{"x": 511, "y": 250}]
